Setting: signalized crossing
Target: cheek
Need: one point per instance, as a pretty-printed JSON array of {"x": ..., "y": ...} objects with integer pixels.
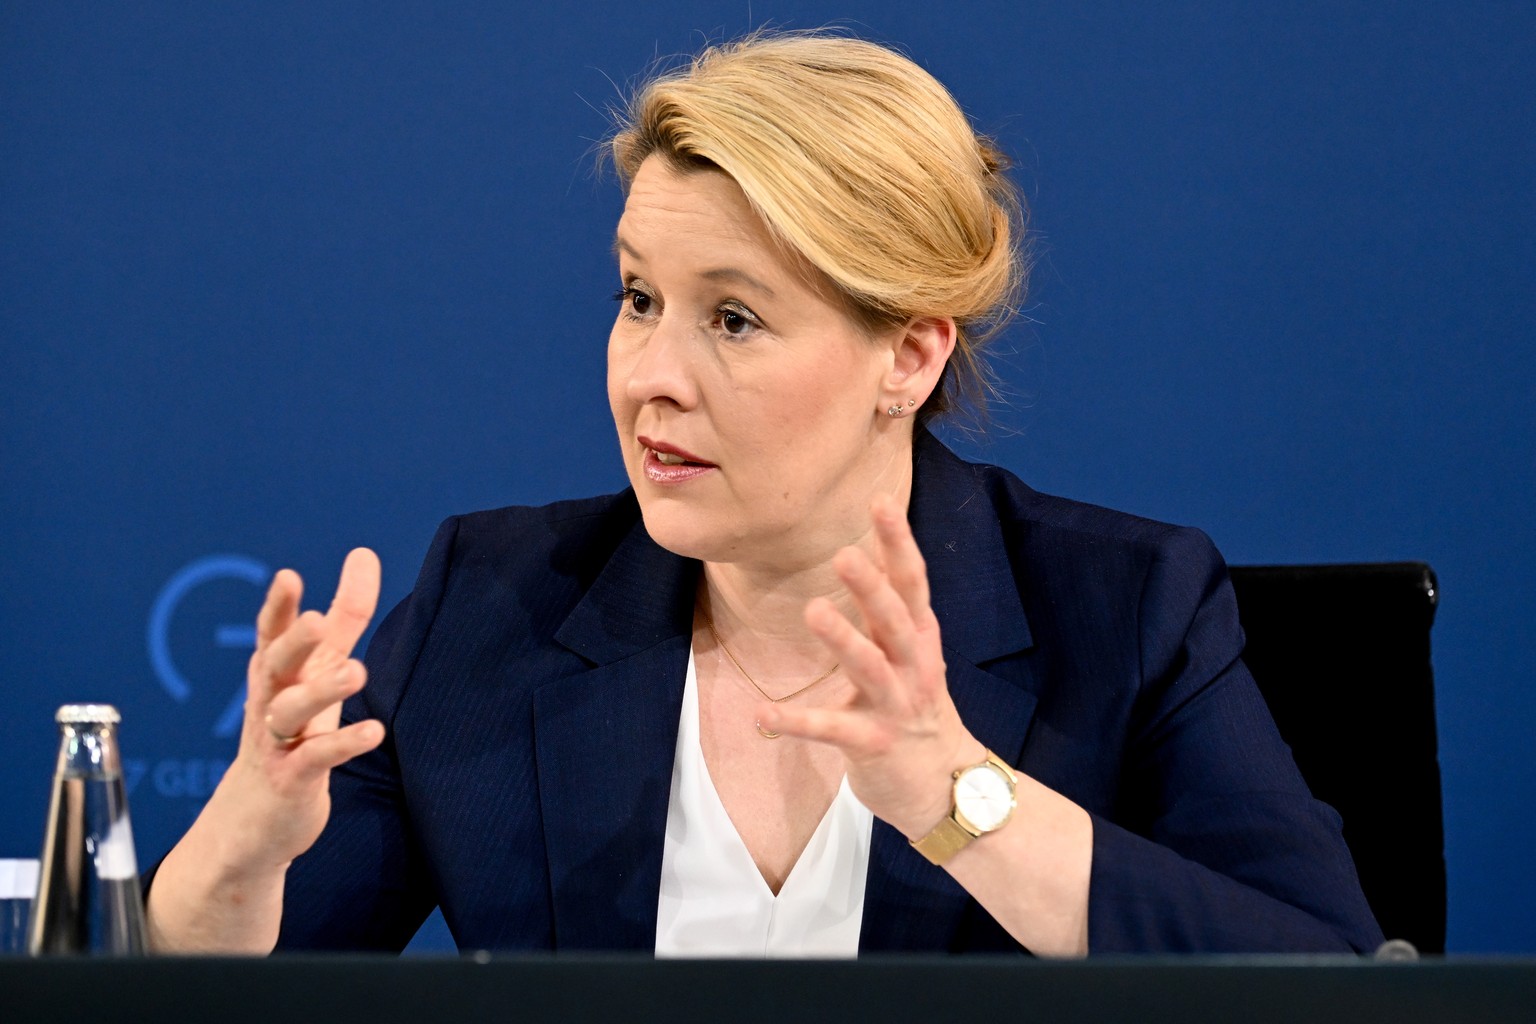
[
  {"x": 618, "y": 373},
  {"x": 812, "y": 412},
  {"x": 835, "y": 398}
]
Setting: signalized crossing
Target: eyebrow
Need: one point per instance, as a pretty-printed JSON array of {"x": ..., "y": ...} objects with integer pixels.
[{"x": 713, "y": 274}]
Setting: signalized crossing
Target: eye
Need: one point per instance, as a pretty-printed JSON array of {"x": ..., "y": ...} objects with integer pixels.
[
  {"x": 634, "y": 303},
  {"x": 737, "y": 321}
]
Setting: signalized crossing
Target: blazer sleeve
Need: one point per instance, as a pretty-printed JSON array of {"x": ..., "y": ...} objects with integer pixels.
[
  {"x": 1217, "y": 844},
  {"x": 365, "y": 883}
]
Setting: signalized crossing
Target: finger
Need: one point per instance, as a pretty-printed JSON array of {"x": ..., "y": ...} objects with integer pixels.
[
  {"x": 863, "y": 661},
  {"x": 852, "y": 733},
  {"x": 886, "y": 616},
  {"x": 287, "y": 654},
  {"x": 328, "y": 750},
  {"x": 357, "y": 595},
  {"x": 280, "y": 608},
  {"x": 294, "y": 710},
  {"x": 903, "y": 560}
]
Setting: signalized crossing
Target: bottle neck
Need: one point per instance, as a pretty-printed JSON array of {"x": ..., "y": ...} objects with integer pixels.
[{"x": 88, "y": 750}]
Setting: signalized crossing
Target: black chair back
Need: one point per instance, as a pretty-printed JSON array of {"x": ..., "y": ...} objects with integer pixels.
[{"x": 1341, "y": 654}]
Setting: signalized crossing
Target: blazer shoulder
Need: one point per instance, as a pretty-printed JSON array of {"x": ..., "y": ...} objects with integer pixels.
[
  {"x": 1167, "y": 572},
  {"x": 566, "y": 539},
  {"x": 573, "y": 515},
  {"x": 1065, "y": 524},
  {"x": 501, "y": 576}
]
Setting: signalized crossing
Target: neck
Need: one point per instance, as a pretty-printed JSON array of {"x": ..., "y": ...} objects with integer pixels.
[
  {"x": 759, "y": 608},
  {"x": 753, "y": 607},
  {"x": 760, "y": 619}
]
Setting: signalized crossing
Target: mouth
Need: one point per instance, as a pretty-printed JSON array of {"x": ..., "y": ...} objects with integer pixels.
[
  {"x": 673, "y": 459},
  {"x": 671, "y": 455},
  {"x": 668, "y": 464}
]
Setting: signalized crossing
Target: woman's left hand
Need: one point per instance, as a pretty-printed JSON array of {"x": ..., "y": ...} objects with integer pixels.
[{"x": 898, "y": 729}]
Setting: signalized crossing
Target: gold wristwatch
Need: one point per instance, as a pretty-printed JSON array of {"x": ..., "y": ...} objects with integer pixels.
[{"x": 981, "y": 801}]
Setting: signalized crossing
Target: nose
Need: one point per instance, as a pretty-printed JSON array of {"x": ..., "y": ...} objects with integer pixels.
[{"x": 660, "y": 365}]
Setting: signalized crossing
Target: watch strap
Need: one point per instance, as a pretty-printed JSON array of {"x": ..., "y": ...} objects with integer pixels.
[{"x": 948, "y": 838}]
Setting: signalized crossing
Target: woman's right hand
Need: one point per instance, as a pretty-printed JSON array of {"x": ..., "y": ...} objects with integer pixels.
[
  {"x": 278, "y": 788},
  {"x": 220, "y": 889}
]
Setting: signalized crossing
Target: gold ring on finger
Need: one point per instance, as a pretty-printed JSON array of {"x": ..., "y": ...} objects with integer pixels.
[{"x": 283, "y": 741}]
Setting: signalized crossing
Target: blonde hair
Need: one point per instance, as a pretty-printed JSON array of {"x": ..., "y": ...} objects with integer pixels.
[{"x": 861, "y": 162}]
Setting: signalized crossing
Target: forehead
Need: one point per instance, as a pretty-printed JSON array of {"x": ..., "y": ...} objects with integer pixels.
[
  {"x": 699, "y": 221},
  {"x": 676, "y": 206}
]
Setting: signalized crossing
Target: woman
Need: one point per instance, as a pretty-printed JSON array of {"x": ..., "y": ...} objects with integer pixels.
[{"x": 813, "y": 685}]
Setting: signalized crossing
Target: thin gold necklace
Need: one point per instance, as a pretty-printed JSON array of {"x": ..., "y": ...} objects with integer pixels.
[{"x": 764, "y": 733}]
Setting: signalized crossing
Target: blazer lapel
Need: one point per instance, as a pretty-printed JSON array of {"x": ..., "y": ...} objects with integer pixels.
[
  {"x": 605, "y": 740},
  {"x": 909, "y": 904}
]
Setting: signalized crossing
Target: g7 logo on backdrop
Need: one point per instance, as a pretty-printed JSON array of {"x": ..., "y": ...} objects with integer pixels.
[{"x": 195, "y": 777}]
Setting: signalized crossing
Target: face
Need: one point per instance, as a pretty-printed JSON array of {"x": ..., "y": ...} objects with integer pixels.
[{"x": 746, "y": 398}]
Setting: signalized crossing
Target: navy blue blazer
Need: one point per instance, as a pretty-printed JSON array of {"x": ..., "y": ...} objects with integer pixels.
[{"x": 532, "y": 681}]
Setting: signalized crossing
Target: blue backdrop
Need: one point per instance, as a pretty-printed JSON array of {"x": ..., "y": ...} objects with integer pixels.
[{"x": 278, "y": 279}]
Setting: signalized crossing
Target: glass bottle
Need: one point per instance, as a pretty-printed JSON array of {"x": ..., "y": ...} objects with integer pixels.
[{"x": 88, "y": 898}]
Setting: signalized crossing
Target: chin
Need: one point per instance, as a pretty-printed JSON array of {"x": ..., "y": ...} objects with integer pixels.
[
  {"x": 725, "y": 534},
  {"x": 686, "y": 535}
]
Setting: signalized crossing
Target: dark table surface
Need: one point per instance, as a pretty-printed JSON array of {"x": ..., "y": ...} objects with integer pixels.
[{"x": 380, "y": 990}]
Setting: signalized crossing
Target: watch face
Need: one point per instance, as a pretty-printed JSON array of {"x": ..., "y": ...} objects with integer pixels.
[{"x": 983, "y": 797}]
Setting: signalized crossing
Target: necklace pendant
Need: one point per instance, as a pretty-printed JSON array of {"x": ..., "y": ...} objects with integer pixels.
[{"x": 764, "y": 733}]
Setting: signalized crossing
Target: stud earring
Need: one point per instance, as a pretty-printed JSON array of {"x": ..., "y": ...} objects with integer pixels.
[{"x": 893, "y": 411}]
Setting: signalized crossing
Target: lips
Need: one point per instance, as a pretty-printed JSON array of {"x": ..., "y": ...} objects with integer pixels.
[
  {"x": 668, "y": 464},
  {"x": 671, "y": 454}
]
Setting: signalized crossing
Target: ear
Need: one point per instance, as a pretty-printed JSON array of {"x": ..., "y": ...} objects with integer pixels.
[{"x": 922, "y": 349}]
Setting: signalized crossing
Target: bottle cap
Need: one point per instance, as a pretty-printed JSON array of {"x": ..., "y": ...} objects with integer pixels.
[{"x": 87, "y": 714}]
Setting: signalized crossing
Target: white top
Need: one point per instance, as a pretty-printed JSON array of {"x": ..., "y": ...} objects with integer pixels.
[{"x": 715, "y": 903}]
